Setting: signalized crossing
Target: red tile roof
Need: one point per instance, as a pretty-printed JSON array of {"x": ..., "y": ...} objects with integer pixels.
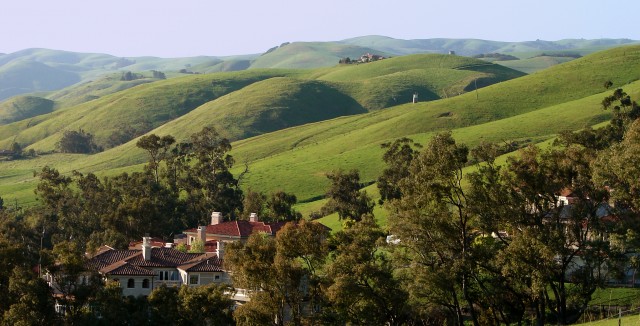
[
  {"x": 107, "y": 257},
  {"x": 132, "y": 262},
  {"x": 241, "y": 229},
  {"x": 208, "y": 262},
  {"x": 124, "y": 268}
]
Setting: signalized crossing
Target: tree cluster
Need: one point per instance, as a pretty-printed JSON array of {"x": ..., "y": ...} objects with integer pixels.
[
  {"x": 79, "y": 142},
  {"x": 129, "y": 76}
]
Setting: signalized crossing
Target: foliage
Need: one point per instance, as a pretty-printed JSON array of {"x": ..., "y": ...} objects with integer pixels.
[
  {"x": 77, "y": 142},
  {"x": 205, "y": 305},
  {"x": 398, "y": 157},
  {"x": 197, "y": 246},
  {"x": 361, "y": 279},
  {"x": 345, "y": 196},
  {"x": 624, "y": 111},
  {"x": 433, "y": 223},
  {"x": 281, "y": 272}
]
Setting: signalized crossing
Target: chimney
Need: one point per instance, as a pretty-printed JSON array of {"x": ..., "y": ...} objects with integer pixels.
[
  {"x": 253, "y": 217},
  {"x": 216, "y": 218},
  {"x": 146, "y": 248},
  {"x": 220, "y": 249},
  {"x": 202, "y": 234}
]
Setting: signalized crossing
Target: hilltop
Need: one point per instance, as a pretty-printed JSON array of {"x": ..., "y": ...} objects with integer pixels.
[{"x": 44, "y": 70}]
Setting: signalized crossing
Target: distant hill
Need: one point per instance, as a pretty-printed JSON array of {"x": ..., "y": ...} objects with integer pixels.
[
  {"x": 43, "y": 70},
  {"x": 310, "y": 55},
  {"x": 470, "y": 47},
  {"x": 38, "y": 70}
]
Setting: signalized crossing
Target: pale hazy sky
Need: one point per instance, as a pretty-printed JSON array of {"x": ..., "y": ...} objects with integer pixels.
[{"x": 177, "y": 28}]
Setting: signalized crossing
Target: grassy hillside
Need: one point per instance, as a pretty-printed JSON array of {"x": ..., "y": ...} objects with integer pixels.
[
  {"x": 301, "y": 55},
  {"x": 257, "y": 102},
  {"x": 143, "y": 108},
  {"x": 94, "y": 89},
  {"x": 529, "y": 109},
  {"x": 24, "y": 107},
  {"x": 534, "y": 64}
]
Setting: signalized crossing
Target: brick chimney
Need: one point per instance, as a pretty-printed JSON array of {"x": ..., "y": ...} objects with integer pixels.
[
  {"x": 216, "y": 218},
  {"x": 146, "y": 248},
  {"x": 220, "y": 249},
  {"x": 202, "y": 234},
  {"x": 253, "y": 217}
]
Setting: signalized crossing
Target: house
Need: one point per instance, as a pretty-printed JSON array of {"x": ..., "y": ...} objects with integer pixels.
[
  {"x": 139, "y": 271},
  {"x": 370, "y": 57},
  {"x": 152, "y": 263},
  {"x": 219, "y": 231}
]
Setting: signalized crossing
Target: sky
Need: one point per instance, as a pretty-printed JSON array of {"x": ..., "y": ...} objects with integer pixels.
[{"x": 182, "y": 28}]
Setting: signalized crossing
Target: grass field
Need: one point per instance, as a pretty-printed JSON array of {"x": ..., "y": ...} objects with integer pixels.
[{"x": 628, "y": 320}]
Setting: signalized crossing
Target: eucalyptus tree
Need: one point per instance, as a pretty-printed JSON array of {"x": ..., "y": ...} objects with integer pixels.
[
  {"x": 345, "y": 196},
  {"x": 281, "y": 272},
  {"x": 434, "y": 226}
]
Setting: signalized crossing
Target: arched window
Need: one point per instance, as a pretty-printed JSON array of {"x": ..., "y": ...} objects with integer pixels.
[
  {"x": 145, "y": 283},
  {"x": 131, "y": 283}
]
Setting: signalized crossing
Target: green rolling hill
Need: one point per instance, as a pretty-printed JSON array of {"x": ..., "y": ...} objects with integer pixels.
[
  {"x": 527, "y": 109},
  {"x": 24, "y": 107},
  {"x": 44, "y": 70},
  {"x": 248, "y": 103}
]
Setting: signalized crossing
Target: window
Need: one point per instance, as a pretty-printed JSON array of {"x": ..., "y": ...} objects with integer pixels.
[
  {"x": 145, "y": 283},
  {"x": 174, "y": 276},
  {"x": 164, "y": 275},
  {"x": 193, "y": 279},
  {"x": 131, "y": 283},
  {"x": 217, "y": 277}
]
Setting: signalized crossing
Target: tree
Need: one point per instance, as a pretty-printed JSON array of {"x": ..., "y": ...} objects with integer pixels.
[
  {"x": 279, "y": 207},
  {"x": 212, "y": 184},
  {"x": 433, "y": 222},
  {"x": 362, "y": 279},
  {"x": 547, "y": 236},
  {"x": 614, "y": 169},
  {"x": 253, "y": 202},
  {"x": 345, "y": 196},
  {"x": 157, "y": 147},
  {"x": 77, "y": 285},
  {"x": 158, "y": 74},
  {"x": 206, "y": 305},
  {"x": 398, "y": 157},
  {"x": 110, "y": 306},
  {"x": 281, "y": 272},
  {"x": 80, "y": 142},
  {"x": 624, "y": 112},
  {"x": 16, "y": 149},
  {"x": 197, "y": 246},
  {"x": 33, "y": 300}
]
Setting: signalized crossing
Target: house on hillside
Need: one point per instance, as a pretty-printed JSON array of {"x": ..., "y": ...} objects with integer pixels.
[
  {"x": 139, "y": 271},
  {"x": 368, "y": 57},
  {"x": 219, "y": 231},
  {"x": 152, "y": 263}
]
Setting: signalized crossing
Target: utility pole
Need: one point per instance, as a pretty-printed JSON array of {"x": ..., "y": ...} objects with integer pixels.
[{"x": 475, "y": 83}]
